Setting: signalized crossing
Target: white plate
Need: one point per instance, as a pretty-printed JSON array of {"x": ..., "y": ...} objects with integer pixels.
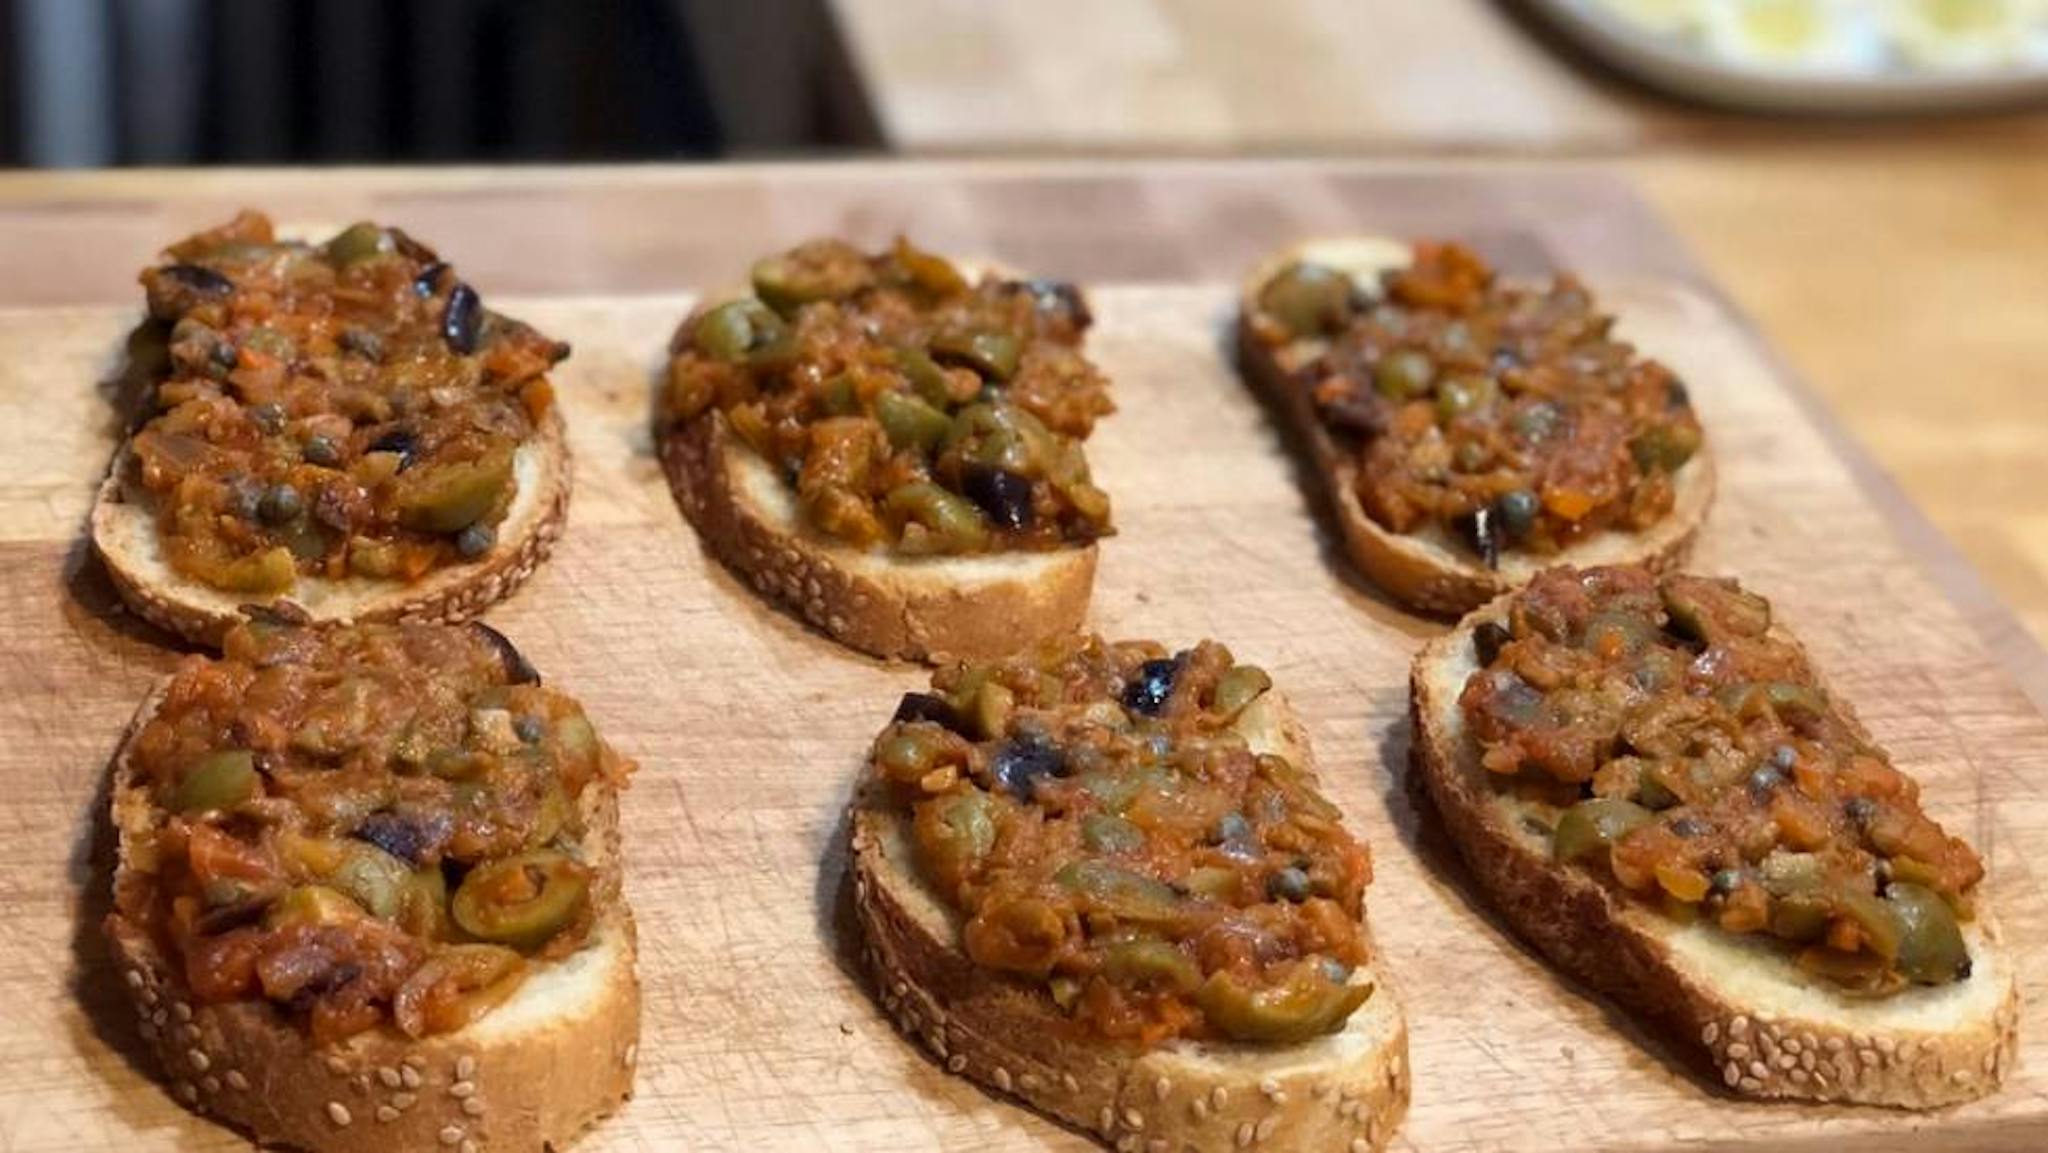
[{"x": 1683, "y": 67}]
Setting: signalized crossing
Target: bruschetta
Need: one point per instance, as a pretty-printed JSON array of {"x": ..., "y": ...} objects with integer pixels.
[
  {"x": 891, "y": 448},
  {"x": 368, "y": 892},
  {"x": 1101, "y": 878},
  {"x": 1471, "y": 430},
  {"x": 1650, "y": 781},
  {"x": 340, "y": 425}
]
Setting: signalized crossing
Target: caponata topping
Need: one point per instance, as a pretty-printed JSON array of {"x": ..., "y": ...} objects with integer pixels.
[
  {"x": 1695, "y": 761},
  {"x": 365, "y": 826},
  {"x": 910, "y": 408},
  {"x": 1507, "y": 416},
  {"x": 1106, "y": 831},
  {"x": 330, "y": 410}
]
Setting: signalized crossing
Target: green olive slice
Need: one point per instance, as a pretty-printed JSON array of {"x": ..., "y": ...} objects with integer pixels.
[
  {"x": 991, "y": 352},
  {"x": 1307, "y": 1005},
  {"x": 1930, "y": 946},
  {"x": 1594, "y": 826},
  {"x": 521, "y": 900},
  {"x": 910, "y": 422},
  {"x": 448, "y": 498},
  {"x": 1151, "y": 963},
  {"x": 1307, "y": 299},
  {"x": 220, "y": 780}
]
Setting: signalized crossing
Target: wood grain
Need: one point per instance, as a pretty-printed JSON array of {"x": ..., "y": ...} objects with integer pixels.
[{"x": 749, "y": 729}]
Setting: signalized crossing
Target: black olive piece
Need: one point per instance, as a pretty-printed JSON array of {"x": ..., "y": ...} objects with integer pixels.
[
  {"x": 475, "y": 540},
  {"x": 927, "y": 707},
  {"x": 199, "y": 278},
  {"x": 337, "y": 976},
  {"x": 518, "y": 670},
  {"x": 281, "y": 504},
  {"x": 1725, "y": 880},
  {"x": 1860, "y": 809},
  {"x": 1514, "y": 513},
  {"x": 411, "y": 837},
  {"x": 400, "y": 441},
  {"x": 321, "y": 450},
  {"x": 1358, "y": 413},
  {"x": 1488, "y": 639},
  {"x": 462, "y": 321},
  {"x": 1058, "y": 296},
  {"x": 1289, "y": 884},
  {"x": 429, "y": 279},
  {"x": 1480, "y": 531},
  {"x": 246, "y": 911},
  {"x": 1021, "y": 761},
  {"x": 1148, "y": 692},
  {"x": 1688, "y": 827},
  {"x": 1004, "y": 495},
  {"x": 1676, "y": 395},
  {"x": 1763, "y": 781}
]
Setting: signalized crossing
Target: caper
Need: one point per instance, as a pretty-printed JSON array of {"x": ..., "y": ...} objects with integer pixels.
[
  {"x": 1515, "y": 513},
  {"x": 1725, "y": 880},
  {"x": 521, "y": 900},
  {"x": 1859, "y": 810},
  {"x": 1307, "y": 299},
  {"x": 1537, "y": 421},
  {"x": 1233, "y": 828},
  {"x": 1288, "y": 884},
  {"x": 220, "y": 780},
  {"x": 910, "y": 422},
  {"x": 1664, "y": 447},
  {"x": 268, "y": 416},
  {"x": 475, "y": 540},
  {"x": 281, "y": 503},
  {"x": 1594, "y": 826},
  {"x": 529, "y": 728},
  {"x": 950, "y": 522},
  {"x": 1404, "y": 373},
  {"x": 992, "y": 353},
  {"x": 1462, "y": 394},
  {"x": 322, "y": 451},
  {"x": 1783, "y": 757},
  {"x": 359, "y": 241}
]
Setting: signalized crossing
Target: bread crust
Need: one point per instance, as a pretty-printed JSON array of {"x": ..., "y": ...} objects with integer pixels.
[
  {"x": 529, "y": 1075},
  {"x": 1424, "y": 570},
  {"x": 1347, "y": 1091},
  {"x": 1745, "y": 1015},
  {"x": 930, "y": 609},
  {"x": 124, "y": 537}
]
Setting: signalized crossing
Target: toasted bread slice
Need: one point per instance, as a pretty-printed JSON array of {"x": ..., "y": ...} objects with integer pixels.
[
  {"x": 1740, "y": 1005},
  {"x": 1348, "y": 1090},
  {"x": 904, "y": 608},
  {"x": 530, "y": 1074},
  {"x": 1428, "y": 570},
  {"x": 124, "y": 534}
]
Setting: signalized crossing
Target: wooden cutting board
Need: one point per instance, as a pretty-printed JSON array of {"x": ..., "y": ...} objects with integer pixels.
[{"x": 749, "y": 730}]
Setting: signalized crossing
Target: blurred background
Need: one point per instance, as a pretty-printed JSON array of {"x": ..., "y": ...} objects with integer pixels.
[{"x": 1865, "y": 178}]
